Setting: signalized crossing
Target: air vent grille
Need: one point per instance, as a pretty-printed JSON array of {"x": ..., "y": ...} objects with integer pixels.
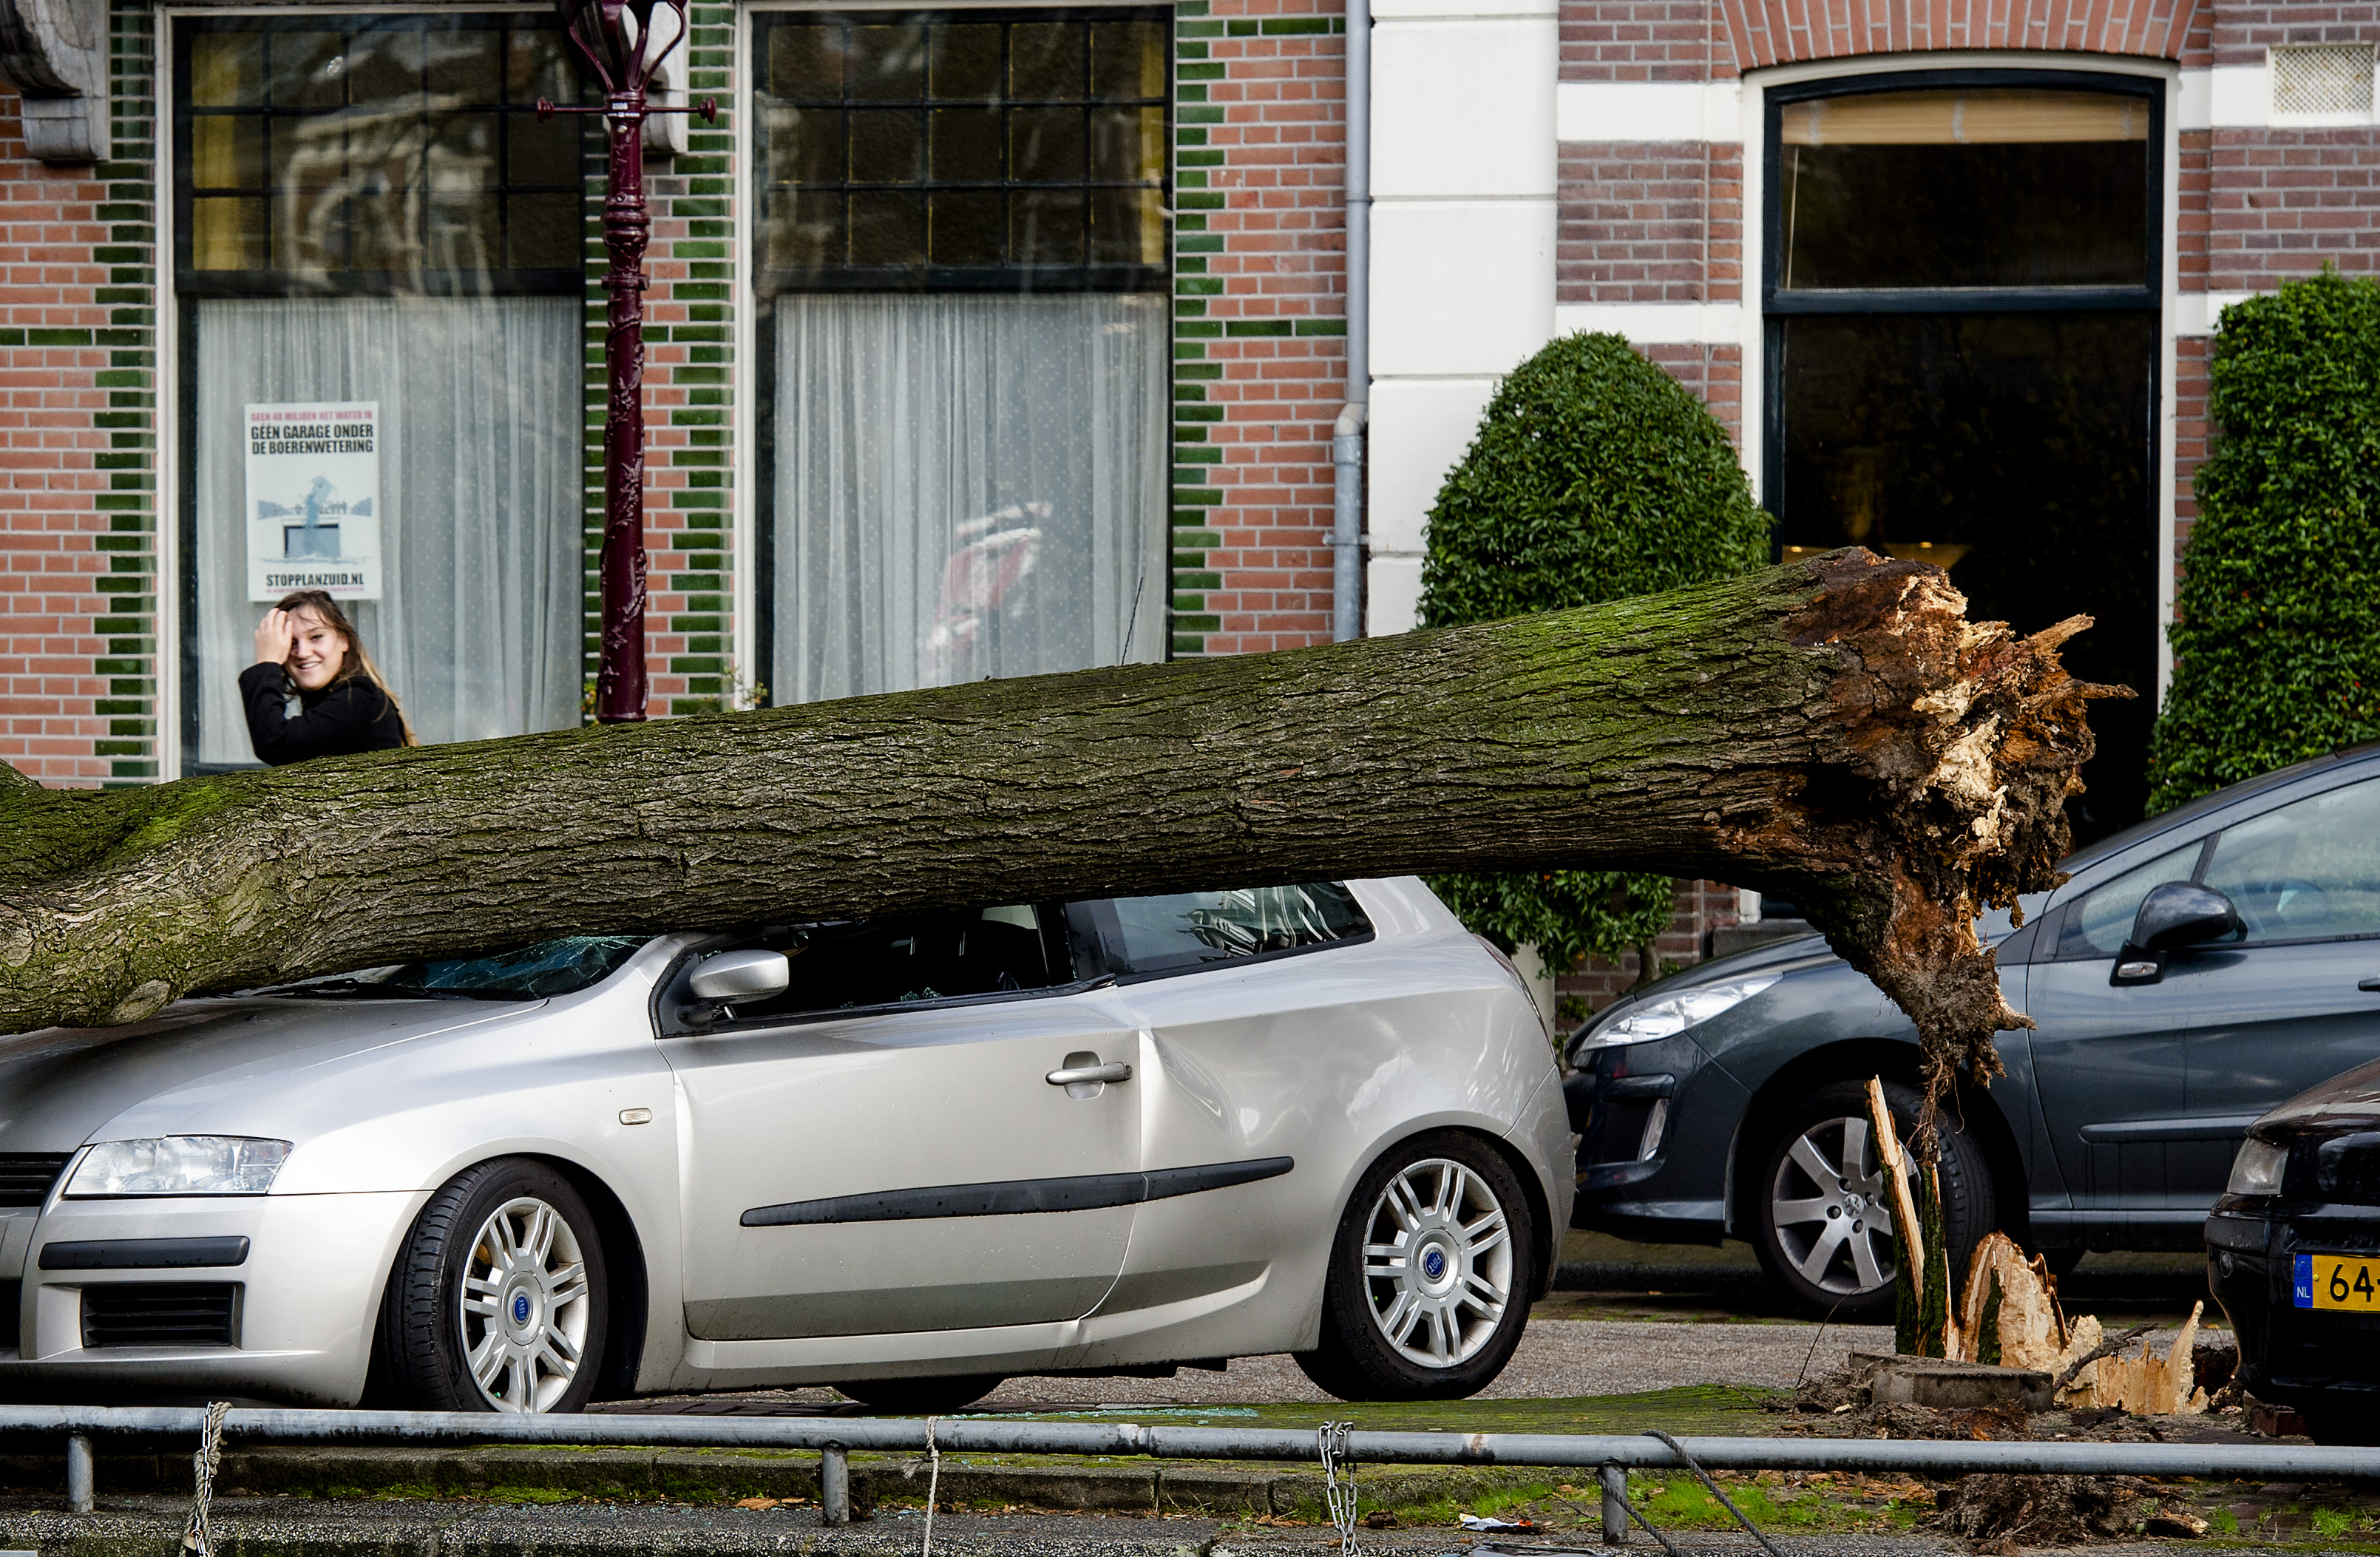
[
  {"x": 161, "y": 1314},
  {"x": 12, "y": 1302},
  {"x": 2321, "y": 78},
  {"x": 25, "y": 1181}
]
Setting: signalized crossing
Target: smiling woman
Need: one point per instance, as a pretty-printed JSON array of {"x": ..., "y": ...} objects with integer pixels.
[{"x": 307, "y": 645}]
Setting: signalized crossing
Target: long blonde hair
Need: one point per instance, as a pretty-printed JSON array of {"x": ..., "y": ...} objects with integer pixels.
[{"x": 356, "y": 661}]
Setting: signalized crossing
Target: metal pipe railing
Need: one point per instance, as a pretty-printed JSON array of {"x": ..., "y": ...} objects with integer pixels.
[{"x": 836, "y": 1437}]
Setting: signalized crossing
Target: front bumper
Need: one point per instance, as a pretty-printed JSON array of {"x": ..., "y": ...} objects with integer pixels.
[
  {"x": 2288, "y": 1354},
  {"x": 296, "y": 1323},
  {"x": 1653, "y": 1121}
]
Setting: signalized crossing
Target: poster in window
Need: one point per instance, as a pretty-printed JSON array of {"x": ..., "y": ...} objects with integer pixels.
[{"x": 313, "y": 499}]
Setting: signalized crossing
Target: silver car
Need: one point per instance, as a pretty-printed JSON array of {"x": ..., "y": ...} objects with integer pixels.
[{"x": 906, "y": 1157}]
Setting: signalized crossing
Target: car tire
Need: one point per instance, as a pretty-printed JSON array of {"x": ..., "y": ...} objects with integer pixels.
[
  {"x": 499, "y": 1300},
  {"x": 1430, "y": 1275},
  {"x": 922, "y": 1398},
  {"x": 1803, "y": 1199}
]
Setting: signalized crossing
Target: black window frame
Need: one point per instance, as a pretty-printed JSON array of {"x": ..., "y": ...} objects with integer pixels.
[
  {"x": 190, "y": 286},
  {"x": 190, "y": 282},
  {"x": 1777, "y": 304},
  {"x": 761, "y": 295},
  {"x": 769, "y": 281}
]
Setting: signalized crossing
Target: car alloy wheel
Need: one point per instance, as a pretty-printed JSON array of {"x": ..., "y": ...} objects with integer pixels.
[
  {"x": 1437, "y": 1262},
  {"x": 524, "y": 1306},
  {"x": 1821, "y": 1209},
  {"x": 1831, "y": 1205},
  {"x": 499, "y": 1300},
  {"x": 1431, "y": 1273}
]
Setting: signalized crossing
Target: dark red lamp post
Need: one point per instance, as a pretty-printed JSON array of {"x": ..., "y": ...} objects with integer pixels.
[{"x": 618, "y": 42}]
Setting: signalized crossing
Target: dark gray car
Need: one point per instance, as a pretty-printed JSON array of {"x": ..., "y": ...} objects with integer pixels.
[{"x": 2193, "y": 972}]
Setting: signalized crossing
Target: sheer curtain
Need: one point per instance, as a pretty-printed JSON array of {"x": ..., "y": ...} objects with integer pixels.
[
  {"x": 966, "y": 487},
  {"x": 478, "y": 628}
]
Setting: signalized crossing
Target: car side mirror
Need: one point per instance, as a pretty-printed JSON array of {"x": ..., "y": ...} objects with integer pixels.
[
  {"x": 726, "y": 976},
  {"x": 2172, "y": 917}
]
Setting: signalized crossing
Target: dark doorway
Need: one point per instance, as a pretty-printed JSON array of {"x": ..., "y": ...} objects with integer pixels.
[{"x": 1963, "y": 357}]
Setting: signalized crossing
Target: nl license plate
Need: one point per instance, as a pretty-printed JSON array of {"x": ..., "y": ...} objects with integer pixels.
[{"x": 2331, "y": 1280}]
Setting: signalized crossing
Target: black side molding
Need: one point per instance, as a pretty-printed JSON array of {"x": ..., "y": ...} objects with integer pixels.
[
  {"x": 145, "y": 1254},
  {"x": 1021, "y": 1196}
]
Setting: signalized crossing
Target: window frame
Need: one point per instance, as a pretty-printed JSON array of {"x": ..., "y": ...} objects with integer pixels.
[
  {"x": 756, "y": 438},
  {"x": 188, "y": 288},
  {"x": 190, "y": 282},
  {"x": 1779, "y": 305},
  {"x": 768, "y": 282}
]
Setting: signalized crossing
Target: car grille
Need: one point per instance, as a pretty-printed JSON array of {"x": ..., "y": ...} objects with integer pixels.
[
  {"x": 25, "y": 1181},
  {"x": 12, "y": 1300},
  {"x": 161, "y": 1314}
]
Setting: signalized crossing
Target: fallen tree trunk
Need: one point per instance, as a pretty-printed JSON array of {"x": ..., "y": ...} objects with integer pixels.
[{"x": 1832, "y": 730}]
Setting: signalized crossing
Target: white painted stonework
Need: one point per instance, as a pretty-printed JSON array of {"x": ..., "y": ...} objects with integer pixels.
[
  {"x": 1463, "y": 177},
  {"x": 1646, "y": 111}
]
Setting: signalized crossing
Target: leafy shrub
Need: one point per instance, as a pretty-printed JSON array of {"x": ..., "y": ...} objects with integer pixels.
[
  {"x": 1595, "y": 475},
  {"x": 2277, "y": 652}
]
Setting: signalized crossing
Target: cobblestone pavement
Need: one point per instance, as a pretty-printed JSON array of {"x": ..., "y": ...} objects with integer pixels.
[{"x": 1558, "y": 1359}]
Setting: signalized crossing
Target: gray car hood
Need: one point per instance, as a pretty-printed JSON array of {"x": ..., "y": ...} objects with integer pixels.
[{"x": 59, "y": 1085}]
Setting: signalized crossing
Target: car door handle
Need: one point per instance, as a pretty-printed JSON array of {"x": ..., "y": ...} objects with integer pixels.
[
  {"x": 1077, "y": 1075},
  {"x": 2369, "y": 986}
]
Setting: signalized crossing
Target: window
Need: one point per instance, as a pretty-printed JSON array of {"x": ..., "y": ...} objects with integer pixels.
[
  {"x": 870, "y": 965},
  {"x": 961, "y": 269},
  {"x": 1145, "y": 936},
  {"x": 1962, "y": 289},
  {"x": 2309, "y": 870},
  {"x": 2098, "y": 925},
  {"x": 372, "y": 215}
]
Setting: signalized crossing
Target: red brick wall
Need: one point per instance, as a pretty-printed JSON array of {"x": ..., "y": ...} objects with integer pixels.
[
  {"x": 1702, "y": 906},
  {"x": 2284, "y": 203},
  {"x": 1260, "y": 322},
  {"x": 1776, "y": 32},
  {"x": 52, "y": 565},
  {"x": 2242, "y": 30},
  {"x": 1646, "y": 41}
]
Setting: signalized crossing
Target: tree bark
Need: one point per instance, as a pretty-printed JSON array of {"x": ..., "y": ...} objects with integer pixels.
[{"x": 1832, "y": 730}]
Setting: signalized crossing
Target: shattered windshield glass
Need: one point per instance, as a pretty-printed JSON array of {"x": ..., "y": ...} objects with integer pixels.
[{"x": 549, "y": 967}]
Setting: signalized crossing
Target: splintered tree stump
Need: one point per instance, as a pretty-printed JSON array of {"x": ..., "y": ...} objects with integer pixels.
[{"x": 1833, "y": 730}]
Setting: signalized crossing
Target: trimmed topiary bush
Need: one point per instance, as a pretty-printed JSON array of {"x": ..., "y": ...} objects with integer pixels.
[
  {"x": 1595, "y": 475},
  {"x": 2277, "y": 649}
]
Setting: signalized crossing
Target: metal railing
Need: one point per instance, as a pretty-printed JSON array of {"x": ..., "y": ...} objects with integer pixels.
[{"x": 834, "y": 1438}]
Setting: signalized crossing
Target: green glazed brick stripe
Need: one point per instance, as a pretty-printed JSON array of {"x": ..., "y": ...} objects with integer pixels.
[{"x": 1193, "y": 539}]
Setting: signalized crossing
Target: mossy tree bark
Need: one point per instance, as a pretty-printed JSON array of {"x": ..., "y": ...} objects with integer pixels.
[{"x": 1833, "y": 730}]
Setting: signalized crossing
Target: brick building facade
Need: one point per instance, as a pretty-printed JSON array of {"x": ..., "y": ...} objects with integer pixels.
[{"x": 1535, "y": 168}]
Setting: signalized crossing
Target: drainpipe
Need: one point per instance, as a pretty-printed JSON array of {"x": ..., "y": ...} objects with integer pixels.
[{"x": 1347, "y": 537}]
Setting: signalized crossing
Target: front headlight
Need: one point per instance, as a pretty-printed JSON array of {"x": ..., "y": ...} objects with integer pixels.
[
  {"x": 2257, "y": 1169},
  {"x": 1674, "y": 1014},
  {"x": 178, "y": 1165}
]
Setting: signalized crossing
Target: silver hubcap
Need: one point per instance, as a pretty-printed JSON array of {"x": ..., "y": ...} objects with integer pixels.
[
  {"x": 1437, "y": 1263},
  {"x": 1832, "y": 1209},
  {"x": 525, "y": 1306}
]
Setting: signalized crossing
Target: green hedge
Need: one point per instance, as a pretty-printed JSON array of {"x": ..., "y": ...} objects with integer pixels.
[
  {"x": 1595, "y": 475},
  {"x": 2276, "y": 646}
]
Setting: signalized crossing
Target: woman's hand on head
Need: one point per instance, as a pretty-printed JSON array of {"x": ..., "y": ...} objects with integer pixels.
[{"x": 272, "y": 636}]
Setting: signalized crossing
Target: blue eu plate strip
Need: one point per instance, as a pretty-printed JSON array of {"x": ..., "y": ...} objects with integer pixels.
[{"x": 2304, "y": 1284}]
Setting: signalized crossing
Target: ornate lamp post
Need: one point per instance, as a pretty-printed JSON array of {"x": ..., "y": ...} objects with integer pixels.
[{"x": 623, "y": 43}]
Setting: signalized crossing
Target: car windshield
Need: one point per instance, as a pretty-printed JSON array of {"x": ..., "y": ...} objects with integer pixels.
[{"x": 549, "y": 967}]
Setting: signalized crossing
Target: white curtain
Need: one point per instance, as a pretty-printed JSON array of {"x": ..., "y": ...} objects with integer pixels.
[
  {"x": 480, "y": 625},
  {"x": 966, "y": 487}
]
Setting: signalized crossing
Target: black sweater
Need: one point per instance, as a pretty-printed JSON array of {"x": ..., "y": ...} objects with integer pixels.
[{"x": 339, "y": 720}]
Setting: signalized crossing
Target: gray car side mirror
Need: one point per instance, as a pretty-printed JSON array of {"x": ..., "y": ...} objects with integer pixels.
[
  {"x": 2171, "y": 917},
  {"x": 740, "y": 976}
]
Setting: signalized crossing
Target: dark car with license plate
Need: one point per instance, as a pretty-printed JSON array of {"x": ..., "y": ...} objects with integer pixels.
[
  {"x": 2293, "y": 1255},
  {"x": 2192, "y": 972}
]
